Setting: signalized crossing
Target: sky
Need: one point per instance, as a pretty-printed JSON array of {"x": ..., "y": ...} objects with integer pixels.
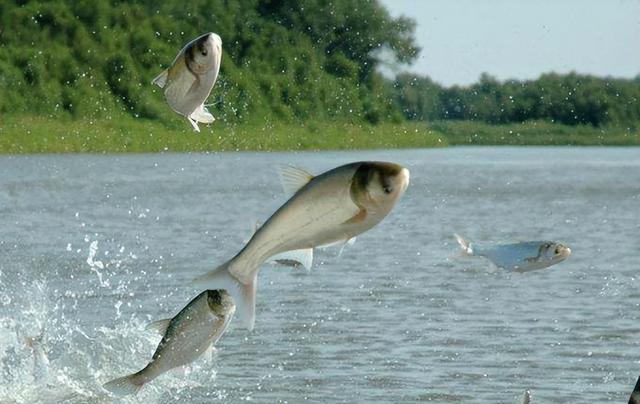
[{"x": 519, "y": 39}]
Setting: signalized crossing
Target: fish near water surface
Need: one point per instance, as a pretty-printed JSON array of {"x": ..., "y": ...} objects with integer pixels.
[
  {"x": 185, "y": 337},
  {"x": 336, "y": 205},
  {"x": 187, "y": 83},
  {"x": 519, "y": 257}
]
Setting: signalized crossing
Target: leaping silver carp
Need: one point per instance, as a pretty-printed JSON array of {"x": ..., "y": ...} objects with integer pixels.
[
  {"x": 187, "y": 83},
  {"x": 185, "y": 337},
  {"x": 519, "y": 257},
  {"x": 336, "y": 205}
]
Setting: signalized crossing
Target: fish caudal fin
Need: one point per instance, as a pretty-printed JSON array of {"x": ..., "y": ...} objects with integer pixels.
[
  {"x": 194, "y": 124},
  {"x": 464, "y": 244},
  {"x": 201, "y": 114},
  {"x": 125, "y": 386},
  {"x": 161, "y": 79},
  {"x": 244, "y": 295}
]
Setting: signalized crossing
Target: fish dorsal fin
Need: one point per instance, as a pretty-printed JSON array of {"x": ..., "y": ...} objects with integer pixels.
[
  {"x": 161, "y": 79},
  {"x": 293, "y": 178},
  {"x": 160, "y": 326},
  {"x": 304, "y": 257}
]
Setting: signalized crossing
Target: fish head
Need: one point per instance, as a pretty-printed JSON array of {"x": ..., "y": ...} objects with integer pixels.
[
  {"x": 554, "y": 252},
  {"x": 220, "y": 302},
  {"x": 204, "y": 53},
  {"x": 377, "y": 186}
]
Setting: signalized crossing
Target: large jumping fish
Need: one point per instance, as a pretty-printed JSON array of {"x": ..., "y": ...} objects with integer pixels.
[
  {"x": 187, "y": 83},
  {"x": 336, "y": 205}
]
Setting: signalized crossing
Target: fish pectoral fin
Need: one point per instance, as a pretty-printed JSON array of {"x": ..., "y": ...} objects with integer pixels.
[
  {"x": 304, "y": 257},
  {"x": 160, "y": 326},
  {"x": 161, "y": 79},
  {"x": 358, "y": 217},
  {"x": 293, "y": 178}
]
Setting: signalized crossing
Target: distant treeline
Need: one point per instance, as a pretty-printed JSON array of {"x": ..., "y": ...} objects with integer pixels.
[
  {"x": 570, "y": 99},
  {"x": 282, "y": 60}
]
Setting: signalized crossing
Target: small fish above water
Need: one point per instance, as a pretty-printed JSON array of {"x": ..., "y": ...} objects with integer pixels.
[
  {"x": 186, "y": 337},
  {"x": 334, "y": 206},
  {"x": 187, "y": 83},
  {"x": 519, "y": 257}
]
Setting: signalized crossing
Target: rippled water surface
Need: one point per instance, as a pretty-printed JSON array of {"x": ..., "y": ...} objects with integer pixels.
[{"x": 93, "y": 248}]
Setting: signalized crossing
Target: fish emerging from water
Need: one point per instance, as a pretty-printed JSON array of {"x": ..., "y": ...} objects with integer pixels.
[
  {"x": 187, "y": 83},
  {"x": 185, "y": 337},
  {"x": 519, "y": 257},
  {"x": 635, "y": 395},
  {"x": 336, "y": 205},
  {"x": 527, "y": 397}
]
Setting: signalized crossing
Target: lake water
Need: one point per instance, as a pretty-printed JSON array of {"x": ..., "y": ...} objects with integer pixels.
[{"x": 93, "y": 248}]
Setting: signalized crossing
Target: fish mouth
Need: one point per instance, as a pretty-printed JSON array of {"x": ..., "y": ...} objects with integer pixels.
[{"x": 565, "y": 252}]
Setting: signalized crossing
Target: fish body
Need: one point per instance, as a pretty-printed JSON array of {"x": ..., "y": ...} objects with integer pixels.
[
  {"x": 336, "y": 205},
  {"x": 189, "y": 80},
  {"x": 188, "y": 335},
  {"x": 519, "y": 257}
]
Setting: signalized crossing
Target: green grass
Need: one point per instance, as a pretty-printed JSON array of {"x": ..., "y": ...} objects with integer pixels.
[
  {"x": 38, "y": 134},
  {"x": 536, "y": 133}
]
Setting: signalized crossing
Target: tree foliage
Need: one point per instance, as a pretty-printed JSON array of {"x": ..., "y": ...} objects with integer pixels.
[{"x": 571, "y": 99}]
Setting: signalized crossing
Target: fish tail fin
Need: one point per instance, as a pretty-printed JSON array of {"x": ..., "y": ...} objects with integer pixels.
[
  {"x": 244, "y": 294},
  {"x": 464, "y": 244},
  {"x": 161, "y": 79},
  {"x": 127, "y": 385}
]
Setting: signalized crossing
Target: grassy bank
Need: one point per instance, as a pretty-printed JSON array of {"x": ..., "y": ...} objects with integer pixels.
[{"x": 37, "y": 134}]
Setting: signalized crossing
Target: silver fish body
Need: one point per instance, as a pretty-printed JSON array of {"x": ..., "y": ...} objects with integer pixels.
[
  {"x": 189, "y": 80},
  {"x": 519, "y": 257},
  {"x": 336, "y": 205},
  {"x": 185, "y": 338}
]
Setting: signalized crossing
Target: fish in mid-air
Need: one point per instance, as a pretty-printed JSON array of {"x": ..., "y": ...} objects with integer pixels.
[
  {"x": 336, "y": 205},
  {"x": 187, "y": 83},
  {"x": 527, "y": 397},
  {"x": 519, "y": 257},
  {"x": 185, "y": 337}
]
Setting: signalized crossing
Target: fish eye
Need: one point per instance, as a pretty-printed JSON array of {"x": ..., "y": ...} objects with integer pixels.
[
  {"x": 387, "y": 189},
  {"x": 204, "y": 52},
  {"x": 558, "y": 250}
]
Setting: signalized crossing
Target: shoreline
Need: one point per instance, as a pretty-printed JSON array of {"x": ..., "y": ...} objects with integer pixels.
[{"x": 21, "y": 134}]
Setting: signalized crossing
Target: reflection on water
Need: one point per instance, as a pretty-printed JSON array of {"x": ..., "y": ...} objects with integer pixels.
[{"x": 95, "y": 247}]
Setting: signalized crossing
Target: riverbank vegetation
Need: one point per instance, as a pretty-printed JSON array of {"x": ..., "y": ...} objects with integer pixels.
[{"x": 75, "y": 77}]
